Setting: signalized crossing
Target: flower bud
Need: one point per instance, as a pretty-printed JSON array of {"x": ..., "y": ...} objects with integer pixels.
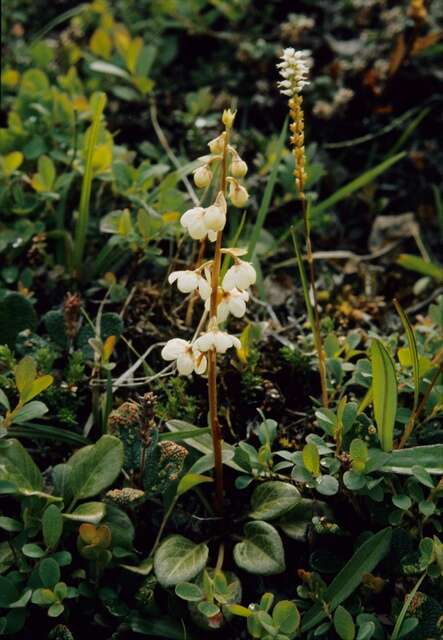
[
  {"x": 202, "y": 177},
  {"x": 238, "y": 194},
  {"x": 217, "y": 145},
  {"x": 239, "y": 168},
  {"x": 228, "y": 118}
]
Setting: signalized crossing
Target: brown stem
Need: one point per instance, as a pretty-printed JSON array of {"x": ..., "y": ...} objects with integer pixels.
[{"x": 212, "y": 355}]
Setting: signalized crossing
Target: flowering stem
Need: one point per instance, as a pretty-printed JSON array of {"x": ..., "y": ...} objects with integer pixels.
[
  {"x": 297, "y": 139},
  {"x": 212, "y": 354}
]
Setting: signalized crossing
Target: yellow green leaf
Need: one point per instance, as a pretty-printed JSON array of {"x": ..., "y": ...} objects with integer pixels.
[
  {"x": 124, "y": 226},
  {"x": 25, "y": 373},
  {"x": 311, "y": 459},
  {"x": 384, "y": 385},
  {"x": 102, "y": 158},
  {"x": 108, "y": 348},
  {"x": 101, "y": 44},
  {"x": 11, "y": 162},
  {"x": 36, "y": 387},
  {"x": 133, "y": 53}
]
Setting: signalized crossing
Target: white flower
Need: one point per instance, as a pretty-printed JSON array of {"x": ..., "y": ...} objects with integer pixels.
[
  {"x": 217, "y": 145},
  {"x": 238, "y": 194},
  {"x": 193, "y": 220},
  {"x": 202, "y": 177},
  {"x": 215, "y": 215},
  {"x": 294, "y": 70},
  {"x": 188, "y": 281},
  {"x": 240, "y": 276},
  {"x": 218, "y": 340},
  {"x": 239, "y": 168},
  {"x": 231, "y": 302},
  {"x": 188, "y": 358}
]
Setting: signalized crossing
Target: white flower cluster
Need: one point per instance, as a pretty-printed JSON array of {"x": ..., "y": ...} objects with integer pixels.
[
  {"x": 294, "y": 69},
  {"x": 232, "y": 294},
  {"x": 201, "y": 222}
]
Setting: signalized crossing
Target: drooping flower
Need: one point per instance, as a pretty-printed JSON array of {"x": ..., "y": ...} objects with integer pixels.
[
  {"x": 239, "y": 168},
  {"x": 238, "y": 194},
  {"x": 294, "y": 69},
  {"x": 240, "y": 276},
  {"x": 230, "y": 302},
  {"x": 188, "y": 281},
  {"x": 188, "y": 357},
  {"x": 217, "y": 144},
  {"x": 218, "y": 340},
  {"x": 193, "y": 220},
  {"x": 215, "y": 215},
  {"x": 202, "y": 177}
]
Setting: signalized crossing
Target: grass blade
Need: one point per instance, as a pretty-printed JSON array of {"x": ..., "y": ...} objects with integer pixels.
[
  {"x": 304, "y": 280},
  {"x": 264, "y": 207},
  {"x": 364, "y": 560},
  {"x": 47, "y": 432},
  {"x": 407, "y": 604},
  {"x": 384, "y": 385},
  {"x": 415, "y": 263},
  {"x": 83, "y": 214},
  {"x": 362, "y": 180},
  {"x": 412, "y": 343}
]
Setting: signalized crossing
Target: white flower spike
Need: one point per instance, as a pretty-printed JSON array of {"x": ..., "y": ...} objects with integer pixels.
[
  {"x": 240, "y": 276},
  {"x": 188, "y": 358},
  {"x": 294, "y": 69},
  {"x": 188, "y": 281},
  {"x": 238, "y": 194},
  {"x": 218, "y": 340}
]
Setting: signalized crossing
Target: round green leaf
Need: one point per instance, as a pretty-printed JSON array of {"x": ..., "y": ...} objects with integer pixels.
[
  {"x": 49, "y": 572},
  {"x": 344, "y": 624},
  {"x": 178, "y": 560},
  {"x": 286, "y": 617},
  {"x": 91, "y": 512},
  {"x": 273, "y": 499},
  {"x": 189, "y": 591},
  {"x": 261, "y": 551},
  {"x": 402, "y": 501},
  {"x": 96, "y": 468},
  {"x": 327, "y": 485}
]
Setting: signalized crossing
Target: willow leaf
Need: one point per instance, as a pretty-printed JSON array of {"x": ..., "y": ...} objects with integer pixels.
[{"x": 384, "y": 386}]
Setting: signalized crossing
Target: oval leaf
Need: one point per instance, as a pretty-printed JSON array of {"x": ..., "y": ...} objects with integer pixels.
[
  {"x": 261, "y": 552},
  {"x": 273, "y": 499},
  {"x": 179, "y": 560},
  {"x": 97, "y": 468}
]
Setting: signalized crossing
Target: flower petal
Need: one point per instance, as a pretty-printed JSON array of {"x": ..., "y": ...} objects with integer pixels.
[{"x": 174, "y": 348}]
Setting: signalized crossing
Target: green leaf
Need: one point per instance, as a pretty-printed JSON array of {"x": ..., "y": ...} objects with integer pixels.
[
  {"x": 412, "y": 349},
  {"x": 359, "y": 453},
  {"x": 55, "y": 610},
  {"x": 272, "y": 499},
  {"x": 208, "y": 609},
  {"x": 191, "y": 480},
  {"x": 52, "y": 525},
  {"x": 16, "y": 306},
  {"x": 85, "y": 196},
  {"x": 33, "y": 550},
  {"x": 179, "y": 560},
  {"x": 49, "y": 572},
  {"x": 36, "y": 387},
  {"x": 95, "y": 467},
  {"x": 402, "y": 501},
  {"x": 311, "y": 459},
  {"x": 109, "y": 69},
  {"x": 403, "y": 461},
  {"x": 384, "y": 384},
  {"x": 364, "y": 560},
  {"x": 199, "y": 439},
  {"x": 18, "y": 468},
  {"x": 327, "y": 485},
  {"x": 25, "y": 373},
  {"x": 91, "y": 512},
  {"x": 9, "y": 524},
  {"x": 4, "y": 400},
  {"x": 344, "y": 624},
  {"x": 422, "y": 476},
  {"x": 261, "y": 552},
  {"x": 415, "y": 263},
  {"x": 43, "y": 597},
  {"x": 286, "y": 617},
  {"x": 189, "y": 591},
  {"x": 31, "y": 410},
  {"x": 164, "y": 627},
  {"x": 8, "y": 592}
]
